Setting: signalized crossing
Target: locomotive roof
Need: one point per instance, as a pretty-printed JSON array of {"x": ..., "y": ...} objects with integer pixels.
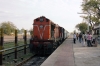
[
  {"x": 46, "y": 18},
  {"x": 49, "y": 21}
]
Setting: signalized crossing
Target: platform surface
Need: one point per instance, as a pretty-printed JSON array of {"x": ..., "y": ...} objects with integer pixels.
[
  {"x": 62, "y": 56},
  {"x": 70, "y": 54}
]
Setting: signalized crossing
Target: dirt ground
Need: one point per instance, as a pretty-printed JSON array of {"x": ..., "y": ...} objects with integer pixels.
[{"x": 12, "y": 38}]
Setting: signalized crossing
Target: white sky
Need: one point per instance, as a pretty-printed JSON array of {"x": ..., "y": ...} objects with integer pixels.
[{"x": 23, "y": 12}]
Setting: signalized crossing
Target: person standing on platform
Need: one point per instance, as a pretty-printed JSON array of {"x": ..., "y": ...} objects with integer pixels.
[
  {"x": 74, "y": 38},
  {"x": 83, "y": 39},
  {"x": 85, "y": 35},
  {"x": 77, "y": 36},
  {"x": 80, "y": 37},
  {"x": 89, "y": 39}
]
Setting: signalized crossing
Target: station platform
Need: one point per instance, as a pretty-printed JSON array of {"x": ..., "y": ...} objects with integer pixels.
[
  {"x": 70, "y": 54},
  {"x": 62, "y": 56}
]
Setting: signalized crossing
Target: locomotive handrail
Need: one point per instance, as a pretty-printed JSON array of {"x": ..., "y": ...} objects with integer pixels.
[{"x": 12, "y": 48}]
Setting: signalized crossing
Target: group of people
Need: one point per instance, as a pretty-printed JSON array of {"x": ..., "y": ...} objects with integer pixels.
[{"x": 83, "y": 38}]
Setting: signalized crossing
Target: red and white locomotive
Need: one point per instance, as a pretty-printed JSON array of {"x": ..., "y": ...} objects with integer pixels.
[{"x": 46, "y": 36}]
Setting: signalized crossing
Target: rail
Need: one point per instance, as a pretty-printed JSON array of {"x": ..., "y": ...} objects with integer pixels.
[{"x": 12, "y": 48}]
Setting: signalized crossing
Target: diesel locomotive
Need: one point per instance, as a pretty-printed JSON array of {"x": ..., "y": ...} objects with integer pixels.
[{"x": 46, "y": 36}]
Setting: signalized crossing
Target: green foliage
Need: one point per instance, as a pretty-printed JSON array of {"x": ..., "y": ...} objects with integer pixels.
[
  {"x": 91, "y": 4},
  {"x": 92, "y": 7},
  {"x": 8, "y": 27},
  {"x": 82, "y": 27},
  {"x": 74, "y": 31},
  {"x": 18, "y": 30},
  {"x": 31, "y": 32},
  {"x": 22, "y": 30}
]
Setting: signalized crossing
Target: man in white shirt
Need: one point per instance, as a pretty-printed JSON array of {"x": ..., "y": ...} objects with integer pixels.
[{"x": 83, "y": 39}]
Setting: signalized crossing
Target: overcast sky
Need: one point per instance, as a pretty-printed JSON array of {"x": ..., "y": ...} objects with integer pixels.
[{"x": 23, "y": 12}]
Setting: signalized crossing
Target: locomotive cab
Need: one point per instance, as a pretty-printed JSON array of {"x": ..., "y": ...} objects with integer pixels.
[{"x": 43, "y": 30}]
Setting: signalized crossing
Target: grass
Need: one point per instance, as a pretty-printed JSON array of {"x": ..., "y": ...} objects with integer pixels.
[
  {"x": 12, "y": 44},
  {"x": 10, "y": 61}
]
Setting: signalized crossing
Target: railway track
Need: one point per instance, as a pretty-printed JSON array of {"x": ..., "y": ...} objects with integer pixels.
[{"x": 35, "y": 61}]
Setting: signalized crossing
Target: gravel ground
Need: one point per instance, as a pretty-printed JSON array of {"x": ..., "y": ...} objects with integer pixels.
[
  {"x": 11, "y": 38},
  {"x": 35, "y": 61}
]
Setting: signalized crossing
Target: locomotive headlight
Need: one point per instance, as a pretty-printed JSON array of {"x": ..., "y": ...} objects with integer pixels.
[{"x": 41, "y": 26}]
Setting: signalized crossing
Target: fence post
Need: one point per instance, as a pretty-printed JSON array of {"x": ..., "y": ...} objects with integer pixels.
[
  {"x": 25, "y": 40},
  {"x": 15, "y": 44},
  {"x": 1, "y": 45}
]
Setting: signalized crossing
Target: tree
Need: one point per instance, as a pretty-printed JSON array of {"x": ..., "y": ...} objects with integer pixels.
[
  {"x": 91, "y": 7},
  {"x": 74, "y": 31},
  {"x": 18, "y": 30},
  {"x": 31, "y": 32},
  {"x": 82, "y": 27},
  {"x": 22, "y": 30},
  {"x": 8, "y": 27}
]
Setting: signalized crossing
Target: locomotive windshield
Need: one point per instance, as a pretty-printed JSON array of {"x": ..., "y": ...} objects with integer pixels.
[{"x": 41, "y": 19}]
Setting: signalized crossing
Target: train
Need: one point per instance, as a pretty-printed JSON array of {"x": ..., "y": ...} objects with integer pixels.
[{"x": 47, "y": 36}]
